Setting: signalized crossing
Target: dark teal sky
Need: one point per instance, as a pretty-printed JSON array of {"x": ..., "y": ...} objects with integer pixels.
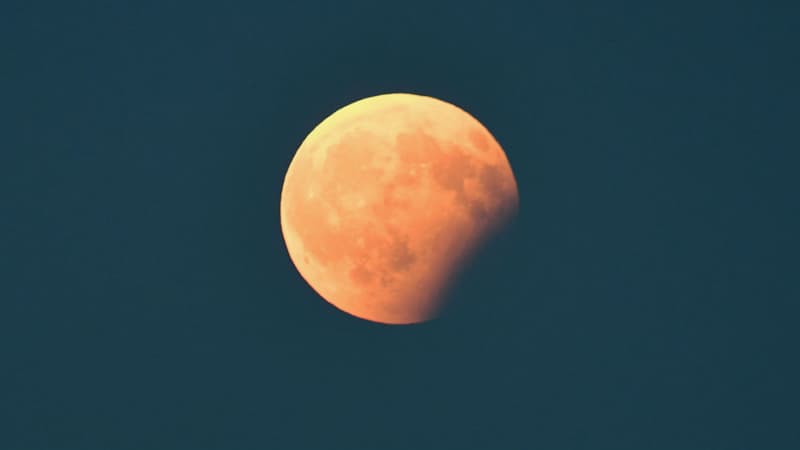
[{"x": 646, "y": 297}]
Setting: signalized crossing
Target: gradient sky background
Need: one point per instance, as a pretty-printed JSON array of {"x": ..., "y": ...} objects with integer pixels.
[{"x": 646, "y": 297}]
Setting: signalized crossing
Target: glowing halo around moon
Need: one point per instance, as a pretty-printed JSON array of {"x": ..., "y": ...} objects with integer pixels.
[{"x": 386, "y": 199}]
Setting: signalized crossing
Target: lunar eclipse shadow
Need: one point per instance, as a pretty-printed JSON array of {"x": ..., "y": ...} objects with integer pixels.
[{"x": 478, "y": 292}]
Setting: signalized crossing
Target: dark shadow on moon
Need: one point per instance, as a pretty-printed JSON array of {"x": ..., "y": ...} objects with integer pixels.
[{"x": 480, "y": 290}]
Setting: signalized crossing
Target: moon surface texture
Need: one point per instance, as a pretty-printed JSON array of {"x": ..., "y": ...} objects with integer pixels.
[{"x": 387, "y": 198}]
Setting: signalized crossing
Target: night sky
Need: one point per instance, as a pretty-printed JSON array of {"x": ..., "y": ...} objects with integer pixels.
[{"x": 646, "y": 296}]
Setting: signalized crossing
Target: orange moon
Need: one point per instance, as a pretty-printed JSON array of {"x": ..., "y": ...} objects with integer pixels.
[{"x": 387, "y": 198}]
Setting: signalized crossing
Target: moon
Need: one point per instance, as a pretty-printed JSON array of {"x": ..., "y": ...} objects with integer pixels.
[{"x": 387, "y": 198}]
